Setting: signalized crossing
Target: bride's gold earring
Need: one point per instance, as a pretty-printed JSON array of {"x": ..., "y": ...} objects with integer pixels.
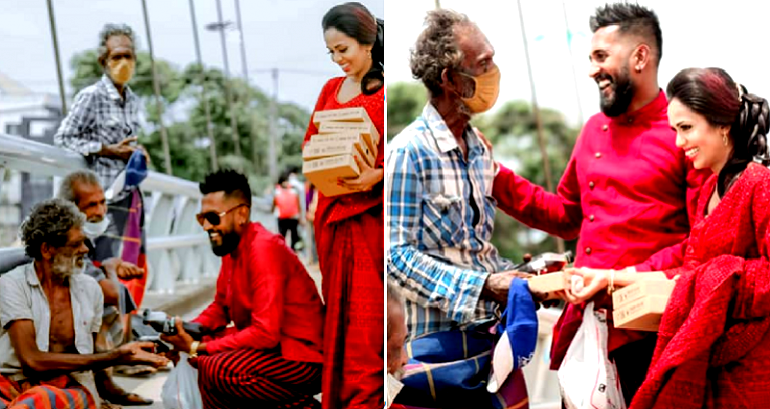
[{"x": 724, "y": 139}]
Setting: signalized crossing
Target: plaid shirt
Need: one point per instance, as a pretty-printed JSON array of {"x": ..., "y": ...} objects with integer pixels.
[
  {"x": 99, "y": 117},
  {"x": 441, "y": 216}
]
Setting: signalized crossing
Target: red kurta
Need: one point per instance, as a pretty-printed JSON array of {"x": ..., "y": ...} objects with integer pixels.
[
  {"x": 626, "y": 192},
  {"x": 713, "y": 347},
  {"x": 266, "y": 291},
  {"x": 349, "y": 236}
]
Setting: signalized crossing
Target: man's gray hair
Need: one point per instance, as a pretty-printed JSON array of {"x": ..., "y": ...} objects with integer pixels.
[
  {"x": 111, "y": 30},
  {"x": 437, "y": 49},
  {"x": 49, "y": 222},
  {"x": 67, "y": 189}
]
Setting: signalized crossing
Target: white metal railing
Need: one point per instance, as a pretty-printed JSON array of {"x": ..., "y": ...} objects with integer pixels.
[{"x": 178, "y": 250}]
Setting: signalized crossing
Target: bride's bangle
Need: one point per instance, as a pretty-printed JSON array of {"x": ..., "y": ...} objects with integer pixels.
[{"x": 611, "y": 286}]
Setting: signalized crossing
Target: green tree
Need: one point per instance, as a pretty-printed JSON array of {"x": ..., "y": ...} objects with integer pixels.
[
  {"x": 512, "y": 129},
  {"x": 405, "y": 103}
]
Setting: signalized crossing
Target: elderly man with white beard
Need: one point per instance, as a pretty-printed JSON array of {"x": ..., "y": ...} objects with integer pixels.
[{"x": 50, "y": 314}]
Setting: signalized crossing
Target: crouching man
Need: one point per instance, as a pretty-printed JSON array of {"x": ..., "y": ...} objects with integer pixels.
[
  {"x": 50, "y": 314},
  {"x": 272, "y": 355}
]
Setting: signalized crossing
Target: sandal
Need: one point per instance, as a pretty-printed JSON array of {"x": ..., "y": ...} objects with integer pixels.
[
  {"x": 129, "y": 399},
  {"x": 136, "y": 370}
]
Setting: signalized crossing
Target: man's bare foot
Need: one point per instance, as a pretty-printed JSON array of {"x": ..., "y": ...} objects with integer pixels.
[{"x": 116, "y": 397}]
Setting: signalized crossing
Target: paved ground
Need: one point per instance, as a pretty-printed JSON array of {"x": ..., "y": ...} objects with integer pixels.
[{"x": 150, "y": 387}]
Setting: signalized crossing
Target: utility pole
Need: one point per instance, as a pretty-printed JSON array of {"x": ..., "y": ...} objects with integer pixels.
[
  {"x": 538, "y": 119},
  {"x": 206, "y": 108},
  {"x": 245, "y": 67},
  {"x": 228, "y": 93},
  {"x": 438, "y": 4},
  {"x": 572, "y": 64},
  {"x": 52, "y": 21},
  {"x": 243, "y": 44},
  {"x": 156, "y": 88},
  {"x": 273, "y": 161}
]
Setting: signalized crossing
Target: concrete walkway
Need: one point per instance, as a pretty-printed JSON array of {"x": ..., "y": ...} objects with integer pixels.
[{"x": 188, "y": 302}]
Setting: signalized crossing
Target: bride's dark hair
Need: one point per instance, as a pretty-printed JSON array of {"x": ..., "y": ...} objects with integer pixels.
[
  {"x": 711, "y": 92},
  {"x": 354, "y": 20}
]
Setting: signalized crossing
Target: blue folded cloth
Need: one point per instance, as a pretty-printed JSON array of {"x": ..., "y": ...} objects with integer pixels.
[{"x": 518, "y": 334}]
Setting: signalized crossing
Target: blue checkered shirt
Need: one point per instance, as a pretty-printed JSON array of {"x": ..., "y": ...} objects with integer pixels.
[
  {"x": 440, "y": 250},
  {"x": 99, "y": 116}
]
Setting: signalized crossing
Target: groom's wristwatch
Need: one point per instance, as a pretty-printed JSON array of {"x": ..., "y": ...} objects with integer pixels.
[{"x": 194, "y": 349}]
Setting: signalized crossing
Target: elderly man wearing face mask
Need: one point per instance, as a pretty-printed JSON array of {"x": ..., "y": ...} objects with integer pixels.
[
  {"x": 103, "y": 126},
  {"x": 103, "y": 122},
  {"x": 440, "y": 219},
  {"x": 271, "y": 355}
]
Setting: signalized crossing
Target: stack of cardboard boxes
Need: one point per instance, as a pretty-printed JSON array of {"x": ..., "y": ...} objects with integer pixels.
[
  {"x": 343, "y": 135},
  {"x": 640, "y": 306}
]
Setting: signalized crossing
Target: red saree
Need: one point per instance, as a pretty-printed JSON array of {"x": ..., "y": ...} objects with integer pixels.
[
  {"x": 713, "y": 347},
  {"x": 349, "y": 238}
]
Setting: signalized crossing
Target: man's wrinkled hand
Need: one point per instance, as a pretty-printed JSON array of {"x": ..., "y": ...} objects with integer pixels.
[
  {"x": 115, "y": 267},
  {"x": 140, "y": 353},
  {"x": 121, "y": 150},
  {"x": 497, "y": 285},
  {"x": 128, "y": 271}
]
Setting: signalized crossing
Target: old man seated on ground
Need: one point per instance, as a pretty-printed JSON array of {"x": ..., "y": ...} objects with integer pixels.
[{"x": 50, "y": 314}]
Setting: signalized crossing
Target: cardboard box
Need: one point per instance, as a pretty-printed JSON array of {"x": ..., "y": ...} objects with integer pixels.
[
  {"x": 643, "y": 314},
  {"x": 324, "y": 172},
  {"x": 641, "y": 289},
  {"x": 365, "y": 129},
  {"x": 326, "y": 145},
  {"x": 547, "y": 284},
  {"x": 356, "y": 114}
]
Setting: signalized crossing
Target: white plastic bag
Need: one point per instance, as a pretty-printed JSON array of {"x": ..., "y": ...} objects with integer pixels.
[
  {"x": 587, "y": 377},
  {"x": 181, "y": 388}
]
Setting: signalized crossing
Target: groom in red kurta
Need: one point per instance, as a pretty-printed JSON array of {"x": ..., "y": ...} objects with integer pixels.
[
  {"x": 627, "y": 192},
  {"x": 272, "y": 354}
]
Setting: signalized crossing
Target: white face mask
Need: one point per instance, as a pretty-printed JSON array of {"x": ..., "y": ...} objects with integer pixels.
[
  {"x": 394, "y": 387},
  {"x": 94, "y": 230}
]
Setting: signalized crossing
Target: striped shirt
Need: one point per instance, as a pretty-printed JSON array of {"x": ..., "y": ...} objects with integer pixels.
[
  {"x": 99, "y": 116},
  {"x": 441, "y": 217}
]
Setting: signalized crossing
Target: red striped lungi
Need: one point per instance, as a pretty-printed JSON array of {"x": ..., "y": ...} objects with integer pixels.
[
  {"x": 244, "y": 378},
  {"x": 62, "y": 392}
]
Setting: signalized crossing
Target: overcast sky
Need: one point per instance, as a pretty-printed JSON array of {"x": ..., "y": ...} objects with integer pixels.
[
  {"x": 729, "y": 34},
  {"x": 278, "y": 33}
]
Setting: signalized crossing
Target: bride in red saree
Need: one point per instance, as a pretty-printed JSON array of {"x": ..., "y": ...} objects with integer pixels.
[
  {"x": 713, "y": 348},
  {"x": 349, "y": 228}
]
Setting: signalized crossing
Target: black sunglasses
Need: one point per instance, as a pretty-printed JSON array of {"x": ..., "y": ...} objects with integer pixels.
[{"x": 213, "y": 217}]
